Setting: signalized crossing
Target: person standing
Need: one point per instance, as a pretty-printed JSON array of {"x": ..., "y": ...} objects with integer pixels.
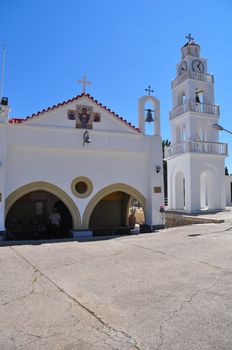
[{"x": 54, "y": 219}]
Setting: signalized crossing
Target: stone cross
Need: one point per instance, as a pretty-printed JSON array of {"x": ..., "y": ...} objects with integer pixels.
[
  {"x": 189, "y": 37},
  {"x": 149, "y": 90},
  {"x": 84, "y": 82}
]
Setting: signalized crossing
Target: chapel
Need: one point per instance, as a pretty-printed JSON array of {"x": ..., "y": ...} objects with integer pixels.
[{"x": 82, "y": 159}]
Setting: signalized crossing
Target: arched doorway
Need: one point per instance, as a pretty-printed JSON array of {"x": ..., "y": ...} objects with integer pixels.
[
  {"x": 204, "y": 191},
  {"x": 110, "y": 212},
  {"x": 179, "y": 191},
  {"x": 209, "y": 193},
  {"x": 109, "y": 209},
  {"x": 28, "y": 217},
  {"x": 39, "y": 198}
]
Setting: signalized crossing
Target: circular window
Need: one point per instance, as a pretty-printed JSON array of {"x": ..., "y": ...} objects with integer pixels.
[{"x": 81, "y": 187}]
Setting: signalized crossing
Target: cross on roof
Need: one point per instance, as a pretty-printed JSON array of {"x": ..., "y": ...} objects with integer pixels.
[
  {"x": 189, "y": 37},
  {"x": 84, "y": 82},
  {"x": 149, "y": 90}
]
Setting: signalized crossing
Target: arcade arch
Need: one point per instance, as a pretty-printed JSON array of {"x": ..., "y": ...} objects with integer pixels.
[
  {"x": 113, "y": 199},
  {"x": 179, "y": 191},
  {"x": 55, "y": 196},
  {"x": 209, "y": 193}
]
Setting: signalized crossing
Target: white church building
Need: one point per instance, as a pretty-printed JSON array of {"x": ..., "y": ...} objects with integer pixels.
[
  {"x": 87, "y": 162},
  {"x": 83, "y": 159}
]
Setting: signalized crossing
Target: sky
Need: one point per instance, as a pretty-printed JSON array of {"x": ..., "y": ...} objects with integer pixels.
[{"x": 121, "y": 45}]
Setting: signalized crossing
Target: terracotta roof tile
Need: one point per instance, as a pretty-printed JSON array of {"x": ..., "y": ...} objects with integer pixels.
[{"x": 39, "y": 113}]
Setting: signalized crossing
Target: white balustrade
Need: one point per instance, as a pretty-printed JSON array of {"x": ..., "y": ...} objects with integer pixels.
[
  {"x": 196, "y": 107},
  {"x": 208, "y": 78},
  {"x": 196, "y": 147}
]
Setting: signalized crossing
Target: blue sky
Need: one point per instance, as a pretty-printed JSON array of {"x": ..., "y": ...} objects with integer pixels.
[{"x": 122, "y": 46}]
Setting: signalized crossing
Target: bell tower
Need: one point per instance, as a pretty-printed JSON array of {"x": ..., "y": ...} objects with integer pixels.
[
  {"x": 196, "y": 157},
  {"x": 149, "y": 113}
]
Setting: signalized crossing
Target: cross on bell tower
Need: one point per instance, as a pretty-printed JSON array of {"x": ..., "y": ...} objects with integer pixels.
[
  {"x": 189, "y": 37},
  {"x": 84, "y": 82},
  {"x": 149, "y": 90}
]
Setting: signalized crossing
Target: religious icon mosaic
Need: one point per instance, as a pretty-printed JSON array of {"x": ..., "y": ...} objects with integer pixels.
[{"x": 84, "y": 116}]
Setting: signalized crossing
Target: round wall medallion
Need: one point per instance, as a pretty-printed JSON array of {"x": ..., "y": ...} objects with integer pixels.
[{"x": 81, "y": 186}]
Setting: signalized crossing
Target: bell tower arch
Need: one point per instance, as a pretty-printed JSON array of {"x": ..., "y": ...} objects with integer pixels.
[{"x": 149, "y": 115}]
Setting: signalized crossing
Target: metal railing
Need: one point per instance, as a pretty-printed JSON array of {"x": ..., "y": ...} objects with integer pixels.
[
  {"x": 196, "y": 107},
  {"x": 208, "y": 78},
  {"x": 196, "y": 147}
]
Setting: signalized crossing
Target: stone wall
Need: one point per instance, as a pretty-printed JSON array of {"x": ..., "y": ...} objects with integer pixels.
[{"x": 174, "y": 220}]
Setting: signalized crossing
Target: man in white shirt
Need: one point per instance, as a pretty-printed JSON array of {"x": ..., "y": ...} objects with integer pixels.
[{"x": 54, "y": 219}]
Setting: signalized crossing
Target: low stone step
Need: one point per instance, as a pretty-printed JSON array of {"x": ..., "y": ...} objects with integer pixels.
[{"x": 82, "y": 233}]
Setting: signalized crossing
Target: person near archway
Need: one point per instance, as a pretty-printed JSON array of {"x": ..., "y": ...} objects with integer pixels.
[{"x": 54, "y": 220}]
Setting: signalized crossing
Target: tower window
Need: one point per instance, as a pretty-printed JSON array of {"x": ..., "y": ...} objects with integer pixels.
[{"x": 199, "y": 97}]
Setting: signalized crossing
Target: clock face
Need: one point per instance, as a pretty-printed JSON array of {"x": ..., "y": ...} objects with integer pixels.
[
  {"x": 182, "y": 67},
  {"x": 197, "y": 66}
]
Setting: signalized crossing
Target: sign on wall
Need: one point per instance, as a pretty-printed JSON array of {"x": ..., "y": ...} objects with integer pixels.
[{"x": 157, "y": 190}]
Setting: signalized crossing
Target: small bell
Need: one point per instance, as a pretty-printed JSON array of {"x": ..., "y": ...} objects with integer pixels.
[{"x": 149, "y": 117}]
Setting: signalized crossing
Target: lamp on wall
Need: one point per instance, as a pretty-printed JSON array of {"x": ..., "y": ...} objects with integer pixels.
[
  {"x": 4, "y": 101},
  {"x": 86, "y": 138},
  {"x": 158, "y": 168}
]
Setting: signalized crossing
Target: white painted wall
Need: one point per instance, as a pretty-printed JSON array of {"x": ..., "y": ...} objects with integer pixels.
[
  {"x": 228, "y": 180},
  {"x": 49, "y": 148},
  {"x": 192, "y": 166}
]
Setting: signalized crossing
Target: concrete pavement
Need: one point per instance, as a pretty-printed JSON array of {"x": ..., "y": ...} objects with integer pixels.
[{"x": 165, "y": 290}]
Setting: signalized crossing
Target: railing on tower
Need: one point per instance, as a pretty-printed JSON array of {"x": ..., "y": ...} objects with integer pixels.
[
  {"x": 191, "y": 106},
  {"x": 208, "y": 78},
  {"x": 196, "y": 147}
]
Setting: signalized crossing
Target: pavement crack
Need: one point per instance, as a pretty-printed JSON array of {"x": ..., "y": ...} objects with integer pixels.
[
  {"x": 34, "y": 280},
  {"x": 180, "y": 259},
  {"x": 182, "y": 305},
  {"x": 210, "y": 265},
  {"x": 116, "y": 335},
  {"x": 16, "y": 299},
  {"x": 150, "y": 249}
]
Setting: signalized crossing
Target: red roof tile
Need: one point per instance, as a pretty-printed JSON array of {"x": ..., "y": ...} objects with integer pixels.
[{"x": 18, "y": 120}]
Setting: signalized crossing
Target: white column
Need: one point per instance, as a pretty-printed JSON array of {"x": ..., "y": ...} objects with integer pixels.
[
  {"x": 156, "y": 187},
  {"x": 3, "y": 153}
]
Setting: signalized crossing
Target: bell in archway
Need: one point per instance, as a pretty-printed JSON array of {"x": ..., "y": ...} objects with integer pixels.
[{"x": 149, "y": 117}]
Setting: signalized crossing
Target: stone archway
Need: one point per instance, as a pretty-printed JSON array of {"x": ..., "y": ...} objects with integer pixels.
[
  {"x": 179, "y": 191},
  {"x": 209, "y": 193},
  {"x": 112, "y": 190},
  {"x": 47, "y": 187}
]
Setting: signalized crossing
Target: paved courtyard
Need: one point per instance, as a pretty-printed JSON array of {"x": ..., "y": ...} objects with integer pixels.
[{"x": 165, "y": 290}]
